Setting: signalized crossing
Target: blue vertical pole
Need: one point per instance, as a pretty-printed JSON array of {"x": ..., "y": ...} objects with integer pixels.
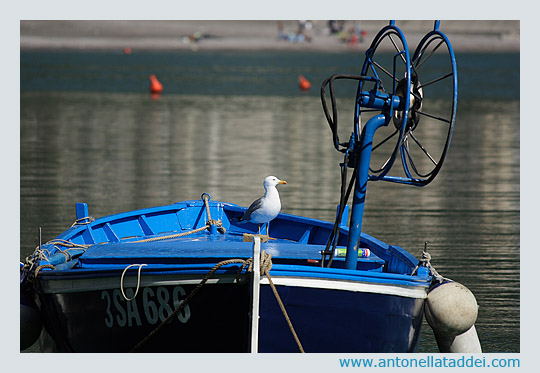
[{"x": 362, "y": 164}]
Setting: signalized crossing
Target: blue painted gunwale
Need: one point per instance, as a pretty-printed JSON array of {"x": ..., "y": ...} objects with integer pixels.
[{"x": 197, "y": 253}]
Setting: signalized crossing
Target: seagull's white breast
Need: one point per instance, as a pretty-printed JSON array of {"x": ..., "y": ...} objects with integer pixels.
[{"x": 268, "y": 211}]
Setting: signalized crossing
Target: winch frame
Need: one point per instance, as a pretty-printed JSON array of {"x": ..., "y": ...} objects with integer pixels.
[{"x": 402, "y": 105}]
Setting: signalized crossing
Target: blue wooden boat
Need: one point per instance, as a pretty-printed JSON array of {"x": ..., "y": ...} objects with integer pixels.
[
  {"x": 84, "y": 299},
  {"x": 187, "y": 277}
]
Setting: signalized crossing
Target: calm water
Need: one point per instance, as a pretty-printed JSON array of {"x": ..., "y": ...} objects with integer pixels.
[{"x": 90, "y": 132}]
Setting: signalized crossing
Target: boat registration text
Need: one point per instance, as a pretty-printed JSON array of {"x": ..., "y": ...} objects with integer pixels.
[{"x": 152, "y": 306}]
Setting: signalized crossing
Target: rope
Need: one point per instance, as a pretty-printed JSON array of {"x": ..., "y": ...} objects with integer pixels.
[
  {"x": 205, "y": 197},
  {"x": 41, "y": 254},
  {"x": 266, "y": 266},
  {"x": 177, "y": 235},
  {"x": 138, "y": 281},
  {"x": 173, "y": 235},
  {"x": 83, "y": 221},
  {"x": 425, "y": 262},
  {"x": 36, "y": 272},
  {"x": 70, "y": 246},
  {"x": 38, "y": 254},
  {"x": 60, "y": 242},
  {"x": 184, "y": 302}
]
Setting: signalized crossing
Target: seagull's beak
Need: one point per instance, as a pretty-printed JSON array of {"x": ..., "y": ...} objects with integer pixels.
[{"x": 282, "y": 182}]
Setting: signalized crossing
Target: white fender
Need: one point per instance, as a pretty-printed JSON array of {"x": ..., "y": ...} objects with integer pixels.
[{"x": 451, "y": 311}]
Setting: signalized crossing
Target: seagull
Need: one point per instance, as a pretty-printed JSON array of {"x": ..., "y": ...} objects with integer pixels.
[{"x": 266, "y": 208}]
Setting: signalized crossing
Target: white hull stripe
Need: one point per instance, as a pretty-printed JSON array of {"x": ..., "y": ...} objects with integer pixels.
[
  {"x": 419, "y": 292},
  {"x": 82, "y": 285}
]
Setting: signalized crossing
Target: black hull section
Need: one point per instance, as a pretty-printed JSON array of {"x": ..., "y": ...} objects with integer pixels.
[{"x": 216, "y": 320}]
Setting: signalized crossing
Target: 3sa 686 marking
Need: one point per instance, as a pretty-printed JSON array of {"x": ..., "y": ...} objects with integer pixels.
[{"x": 154, "y": 306}]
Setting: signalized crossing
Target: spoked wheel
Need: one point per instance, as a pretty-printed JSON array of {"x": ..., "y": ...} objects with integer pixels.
[
  {"x": 432, "y": 115},
  {"x": 387, "y": 63}
]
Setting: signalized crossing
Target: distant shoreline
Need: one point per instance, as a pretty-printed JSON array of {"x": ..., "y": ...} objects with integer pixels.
[{"x": 132, "y": 36}]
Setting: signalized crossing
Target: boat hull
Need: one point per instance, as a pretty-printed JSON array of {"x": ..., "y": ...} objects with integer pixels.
[{"x": 218, "y": 317}]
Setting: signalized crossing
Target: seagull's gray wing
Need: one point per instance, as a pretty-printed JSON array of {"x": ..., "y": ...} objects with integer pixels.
[{"x": 254, "y": 206}]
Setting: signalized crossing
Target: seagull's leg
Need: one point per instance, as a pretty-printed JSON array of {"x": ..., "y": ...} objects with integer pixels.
[
  {"x": 268, "y": 232},
  {"x": 259, "y": 229}
]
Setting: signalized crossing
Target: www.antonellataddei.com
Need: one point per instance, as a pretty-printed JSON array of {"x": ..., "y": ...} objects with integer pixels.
[{"x": 465, "y": 361}]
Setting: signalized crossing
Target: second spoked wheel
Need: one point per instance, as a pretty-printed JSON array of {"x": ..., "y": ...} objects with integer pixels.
[
  {"x": 418, "y": 137},
  {"x": 425, "y": 144}
]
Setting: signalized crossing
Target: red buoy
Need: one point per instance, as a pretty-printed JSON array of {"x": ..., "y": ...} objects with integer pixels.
[
  {"x": 155, "y": 85},
  {"x": 304, "y": 83},
  {"x": 127, "y": 50}
]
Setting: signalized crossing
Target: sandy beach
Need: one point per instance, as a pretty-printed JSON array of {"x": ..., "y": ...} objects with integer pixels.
[{"x": 477, "y": 36}]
